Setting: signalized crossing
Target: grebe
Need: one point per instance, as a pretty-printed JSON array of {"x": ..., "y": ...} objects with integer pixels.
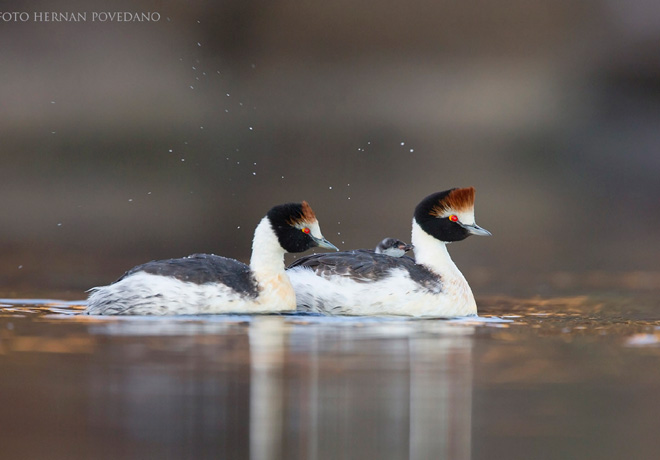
[
  {"x": 366, "y": 283},
  {"x": 208, "y": 284},
  {"x": 392, "y": 247}
]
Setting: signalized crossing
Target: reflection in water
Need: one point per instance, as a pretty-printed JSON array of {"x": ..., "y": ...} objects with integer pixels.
[
  {"x": 412, "y": 402},
  {"x": 264, "y": 387},
  {"x": 440, "y": 397},
  {"x": 573, "y": 376},
  {"x": 267, "y": 348}
]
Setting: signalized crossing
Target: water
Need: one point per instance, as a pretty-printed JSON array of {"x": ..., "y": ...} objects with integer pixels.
[{"x": 541, "y": 378}]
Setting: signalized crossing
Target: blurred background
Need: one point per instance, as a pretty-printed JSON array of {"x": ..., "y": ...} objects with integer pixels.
[{"x": 126, "y": 142}]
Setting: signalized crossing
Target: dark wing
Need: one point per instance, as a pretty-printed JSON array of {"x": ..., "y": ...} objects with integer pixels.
[
  {"x": 202, "y": 269},
  {"x": 365, "y": 265},
  {"x": 311, "y": 260}
]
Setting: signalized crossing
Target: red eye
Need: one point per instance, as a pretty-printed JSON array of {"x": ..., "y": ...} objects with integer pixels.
[
  {"x": 453, "y": 218},
  {"x": 306, "y": 230}
]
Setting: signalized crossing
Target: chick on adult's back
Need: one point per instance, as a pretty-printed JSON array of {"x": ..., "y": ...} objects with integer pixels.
[
  {"x": 366, "y": 283},
  {"x": 207, "y": 284},
  {"x": 393, "y": 247}
]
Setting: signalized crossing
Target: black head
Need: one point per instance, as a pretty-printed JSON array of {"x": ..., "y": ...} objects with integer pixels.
[
  {"x": 393, "y": 246},
  {"x": 296, "y": 227},
  {"x": 449, "y": 216}
]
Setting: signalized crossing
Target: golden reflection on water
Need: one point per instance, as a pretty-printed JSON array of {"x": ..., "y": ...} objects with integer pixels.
[
  {"x": 69, "y": 344},
  {"x": 575, "y": 316}
]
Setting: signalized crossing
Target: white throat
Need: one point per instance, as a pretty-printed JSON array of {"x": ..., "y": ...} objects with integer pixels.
[
  {"x": 267, "y": 254},
  {"x": 267, "y": 264},
  {"x": 433, "y": 254},
  {"x": 430, "y": 251}
]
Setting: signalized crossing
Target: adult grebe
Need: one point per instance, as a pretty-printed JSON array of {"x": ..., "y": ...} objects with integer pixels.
[
  {"x": 207, "y": 284},
  {"x": 366, "y": 283}
]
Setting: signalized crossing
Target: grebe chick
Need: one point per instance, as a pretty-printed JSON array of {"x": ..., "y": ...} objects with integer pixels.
[
  {"x": 392, "y": 247},
  {"x": 366, "y": 283},
  {"x": 209, "y": 284}
]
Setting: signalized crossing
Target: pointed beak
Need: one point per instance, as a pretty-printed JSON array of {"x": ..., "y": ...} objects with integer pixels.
[
  {"x": 323, "y": 243},
  {"x": 474, "y": 229},
  {"x": 406, "y": 247}
]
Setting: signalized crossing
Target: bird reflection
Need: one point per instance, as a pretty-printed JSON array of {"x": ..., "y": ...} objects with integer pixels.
[
  {"x": 272, "y": 387},
  {"x": 393, "y": 389},
  {"x": 267, "y": 353}
]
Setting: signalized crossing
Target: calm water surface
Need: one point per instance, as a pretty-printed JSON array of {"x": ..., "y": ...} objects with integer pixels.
[{"x": 573, "y": 377}]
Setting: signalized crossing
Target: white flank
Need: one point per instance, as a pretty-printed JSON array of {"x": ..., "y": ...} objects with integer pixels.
[{"x": 147, "y": 294}]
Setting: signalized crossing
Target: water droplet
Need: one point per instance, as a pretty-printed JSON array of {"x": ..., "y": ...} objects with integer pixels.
[
  {"x": 238, "y": 226},
  {"x": 148, "y": 193},
  {"x": 183, "y": 159},
  {"x": 412, "y": 150},
  {"x": 329, "y": 188},
  {"x": 250, "y": 128},
  {"x": 192, "y": 87},
  {"x": 199, "y": 44},
  {"x": 403, "y": 143},
  {"x": 227, "y": 94},
  {"x": 194, "y": 68},
  {"x": 59, "y": 224},
  {"x": 170, "y": 150},
  {"x": 282, "y": 177},
  {"x": 254, "y": 173}
]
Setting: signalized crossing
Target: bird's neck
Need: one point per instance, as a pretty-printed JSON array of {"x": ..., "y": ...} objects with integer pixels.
[
  {"x": 267, "y": 254},
  {"x": 433, "y": 254},
  {"x": 267, "y": 265}
]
